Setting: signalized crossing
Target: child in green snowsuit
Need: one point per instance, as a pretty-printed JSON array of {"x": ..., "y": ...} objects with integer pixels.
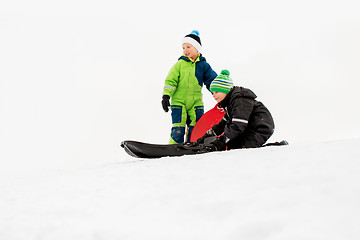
[{"x": 183, "y": 85}]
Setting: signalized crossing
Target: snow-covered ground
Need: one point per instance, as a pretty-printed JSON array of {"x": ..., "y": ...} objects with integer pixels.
[
  {"x": 78, "y": 77},
  {"x": 307, "y": 191}
]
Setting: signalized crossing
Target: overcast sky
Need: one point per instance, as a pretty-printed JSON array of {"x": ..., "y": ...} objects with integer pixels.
[{"x": 78, "y": 77}]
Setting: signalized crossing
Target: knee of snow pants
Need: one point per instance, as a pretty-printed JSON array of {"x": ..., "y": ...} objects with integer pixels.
[
  {"x": 182, "y": 117},
  {"x": 177, "y": 135}
]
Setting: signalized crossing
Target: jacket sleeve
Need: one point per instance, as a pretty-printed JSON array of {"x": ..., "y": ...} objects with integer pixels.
[
  {"x": 172, "y": 79},
  {"x": 220, "y": 127},
  {"x": 209, "y": 76},
  {"x": 241, "y": 111}
]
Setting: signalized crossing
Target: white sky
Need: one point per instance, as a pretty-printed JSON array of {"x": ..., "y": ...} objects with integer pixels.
[{"x": 78, "y": 77}]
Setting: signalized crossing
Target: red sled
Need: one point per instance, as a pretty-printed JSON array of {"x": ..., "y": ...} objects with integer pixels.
[{"x": 209, "y": 119}]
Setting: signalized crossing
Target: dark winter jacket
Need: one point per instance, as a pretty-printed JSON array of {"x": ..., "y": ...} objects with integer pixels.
[{"x": 247, "y": 122}]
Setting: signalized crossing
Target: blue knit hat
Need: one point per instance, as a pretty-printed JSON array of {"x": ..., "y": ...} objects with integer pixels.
[{"x": 222, "y": 83}]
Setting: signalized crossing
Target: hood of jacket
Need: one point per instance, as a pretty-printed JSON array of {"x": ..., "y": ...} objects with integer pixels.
[
  {"x": 237, "y": 92},
  {"x": 199, "y": 58}
]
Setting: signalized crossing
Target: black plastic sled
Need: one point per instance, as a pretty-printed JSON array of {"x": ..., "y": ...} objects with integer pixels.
[{"x": 147, "y": 150}]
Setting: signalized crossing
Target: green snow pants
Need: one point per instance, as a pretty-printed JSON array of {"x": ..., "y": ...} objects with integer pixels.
[{"x": 182, "y": 117}]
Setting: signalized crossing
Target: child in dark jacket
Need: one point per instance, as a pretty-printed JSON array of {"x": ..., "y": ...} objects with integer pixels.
[{"x": 247, "y": 123}]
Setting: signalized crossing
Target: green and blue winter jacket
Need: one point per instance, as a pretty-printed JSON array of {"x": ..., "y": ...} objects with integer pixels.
[{"x": 186, "y": 79}]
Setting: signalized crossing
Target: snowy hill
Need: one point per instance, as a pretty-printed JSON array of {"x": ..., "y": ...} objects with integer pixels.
[
  {"x": 308, "y": 191},
  {"x": 79, "y": 77}
]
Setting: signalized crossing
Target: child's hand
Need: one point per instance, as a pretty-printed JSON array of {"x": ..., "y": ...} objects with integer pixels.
[
  {"x": 209, "y": 133},
  {"x": 219, "y": 143},
  {"x": 165, "y": 102}
]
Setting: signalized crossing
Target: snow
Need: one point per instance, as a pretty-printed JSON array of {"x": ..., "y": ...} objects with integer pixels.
[
  {"x": 79, "y": 77},
  {"x": 304, "y": 191}
]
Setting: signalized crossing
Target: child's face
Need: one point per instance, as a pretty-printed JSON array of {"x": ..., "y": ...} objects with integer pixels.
[
  {"x": 190, "y": 51},
  {"x": 219, "y": 96}
]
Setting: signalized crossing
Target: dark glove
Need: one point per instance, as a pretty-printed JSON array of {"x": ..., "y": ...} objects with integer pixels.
[
  {"x": 219, "y": 143},
  {"x": 165, "y": 102},
  {"x": 209, "y": 133}
]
